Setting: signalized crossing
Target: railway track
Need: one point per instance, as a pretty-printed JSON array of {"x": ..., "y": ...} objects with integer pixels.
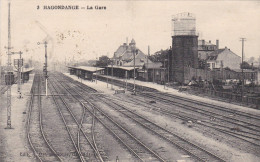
[
  {"x": 221, "y": 116},
  {"x": 190, "y": 148},
  {"x": 192, "y": 101},
  {"x": 165, "y": 109},
  {"x": 246, "y": 136},
  {"x": 38, "y": 142},
  {"x": 4, "y": 89},
  {"x": 226, "y": 110},
  {"x": 133, "y": 144},
  {"x": 73, "y": 126}
]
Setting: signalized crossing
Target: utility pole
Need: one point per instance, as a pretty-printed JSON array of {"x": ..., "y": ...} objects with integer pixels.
[
  {"x": 147, "y": 62},
  {"x": 242, "y": 88},
  {"x": 134, "y": 53},
  {"x": 107, "y": 76},
  {"x": 169, "y": 65},
  {"x": 9, "y": 70},
  {"x": 164, "y": 72},
  {"x": 112, "y": 74},
  {"x": 45, "y": 67},
  {"x": 125, "y": 80}
]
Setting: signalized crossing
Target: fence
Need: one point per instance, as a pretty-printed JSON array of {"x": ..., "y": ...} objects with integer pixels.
[{"x": 231, "y": 97}]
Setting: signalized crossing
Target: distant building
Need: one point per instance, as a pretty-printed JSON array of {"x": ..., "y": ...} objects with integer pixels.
[
  {"x": 124, "y": 56},
  {"x": 205, "y": 48},
  {"x": 223, "y": 58}
]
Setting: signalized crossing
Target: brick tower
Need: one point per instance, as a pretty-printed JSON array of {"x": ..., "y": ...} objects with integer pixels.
[{"x": 184, "y": 46}]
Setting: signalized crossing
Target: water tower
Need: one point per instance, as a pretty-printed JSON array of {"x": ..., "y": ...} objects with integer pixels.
[{"x": 184, "y": 46}]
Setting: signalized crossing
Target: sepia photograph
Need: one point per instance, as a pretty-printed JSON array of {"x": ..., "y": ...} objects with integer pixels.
[{"x": 129, "y": 81}]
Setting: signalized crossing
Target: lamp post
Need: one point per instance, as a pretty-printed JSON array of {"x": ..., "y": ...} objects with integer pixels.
[
  {"x": 242, "y": 87},
  {"x": 134, "y": 50},
  {"x": 112, "y": 74},
  {"x": 169, "y": 65},
  {"x": 164, "y": 72}
]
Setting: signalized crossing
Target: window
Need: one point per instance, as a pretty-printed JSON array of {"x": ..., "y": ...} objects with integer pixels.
[{"x": 213, "y": 65}]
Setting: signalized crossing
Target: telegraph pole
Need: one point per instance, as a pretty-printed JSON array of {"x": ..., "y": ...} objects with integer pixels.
[
  {"x": 112, "y": 74},
  {"x": 169, "y": 65},
  {"x": 242, "y": 88},
  {"x": 148, "y": 62},
  {"x": 45, "y": 67},
  {"x": 134, "y": 52},
  {"x": 9, "y": 70},
  {"x": 164, "y": 73}
]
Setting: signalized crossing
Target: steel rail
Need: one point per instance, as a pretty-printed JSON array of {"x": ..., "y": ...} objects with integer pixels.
[
  {"x": 206, "y": 112},
  {"x": 148, "y": 126},
  {"x": 222, "y": 108},
  {"x": 121, "y": 84},
  {"x": 178, "y": 115},
  {"x": 41, "y": 123},
  {"x": 115, "y": 123},
  {"x": 172, "y": 114},
  {"x": 161, "y": 135},
  {"x": 65, "y": 123},
  {"x": 221, "y": 130},
  {"x": 78, "y": 124},
  {"x": 29, "y": 121}
]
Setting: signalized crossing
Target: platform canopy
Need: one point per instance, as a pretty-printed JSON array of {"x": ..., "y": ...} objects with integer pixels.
[
  {"x": 25, "y": 70},
  {"x": 87, "y": 68},
  {"x": 123, "y": 67}
]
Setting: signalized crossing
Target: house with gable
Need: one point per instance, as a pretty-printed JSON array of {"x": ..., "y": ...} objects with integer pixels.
[
  {"x": 222, "y": 58},
  {"x": 124, "y": 56}
]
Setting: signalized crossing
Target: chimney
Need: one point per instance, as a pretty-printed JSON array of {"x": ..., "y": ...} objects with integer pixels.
[
  {"x": 209, "y": 41},
  {"x": 217, "y": 43},
  {"x": 126, "y": 40},
  {"x": 203, "y": 42}
]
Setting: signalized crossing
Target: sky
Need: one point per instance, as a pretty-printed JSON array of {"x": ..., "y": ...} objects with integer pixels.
[{"x": 87, "y": 34}]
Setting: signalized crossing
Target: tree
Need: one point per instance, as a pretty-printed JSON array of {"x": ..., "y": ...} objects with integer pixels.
[
  {"x": 103, "y": 61},
  {"x": 251, "y": 60},
  {"x": 161, "y": 56},
  {"x": 245, "y": 65}
]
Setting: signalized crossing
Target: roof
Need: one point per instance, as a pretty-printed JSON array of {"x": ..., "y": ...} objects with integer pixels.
[
  {"x": 123, "y": 67},
  {"x": 139, "y": 61},
  {"x": 206, "y": 43},
  {"x": 132, "y": 41},
  {"x": 121, "y": 50},
  {"x": 25, "y": 70},
  {"x": 125, "y": 53},
  {"x": 87, "y": 68},
  {"x": 214, "y": 55},
  {"x": 153, "y": 65}
]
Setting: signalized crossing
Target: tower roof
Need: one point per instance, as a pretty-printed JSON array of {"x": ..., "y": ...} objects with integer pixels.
[{"x": 132, "y": 41}]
